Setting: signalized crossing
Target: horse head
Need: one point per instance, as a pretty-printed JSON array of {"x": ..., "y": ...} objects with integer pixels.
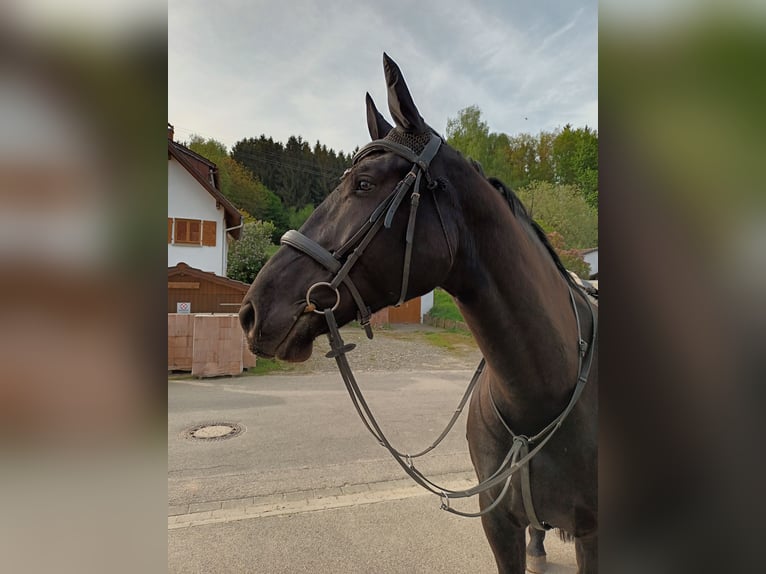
[{"x": 361, "y": 231}]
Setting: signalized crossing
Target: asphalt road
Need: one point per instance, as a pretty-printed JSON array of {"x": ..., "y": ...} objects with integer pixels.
[{"x": 305, "y": 488}]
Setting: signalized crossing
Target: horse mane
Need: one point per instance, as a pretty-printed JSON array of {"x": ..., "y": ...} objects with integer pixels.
[{"x": 518, "y": 209}]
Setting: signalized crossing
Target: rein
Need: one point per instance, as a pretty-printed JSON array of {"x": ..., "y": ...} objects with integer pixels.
[{"x": 340, "y": 263}]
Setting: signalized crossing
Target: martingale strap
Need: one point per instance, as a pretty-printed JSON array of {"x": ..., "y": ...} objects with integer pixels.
[
  {"x": 518, "y": 456},
  {"x": 340, "y": 263}
]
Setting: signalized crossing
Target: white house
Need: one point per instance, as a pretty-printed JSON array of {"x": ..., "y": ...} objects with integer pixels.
[
  {"x": 199, "y": 216},
  {"x": 591, "y": 258}
]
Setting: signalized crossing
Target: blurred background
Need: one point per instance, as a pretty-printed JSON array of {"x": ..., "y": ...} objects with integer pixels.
[
  {"x": 682, "y": 234},
  {"x": 82, "y": 190}
]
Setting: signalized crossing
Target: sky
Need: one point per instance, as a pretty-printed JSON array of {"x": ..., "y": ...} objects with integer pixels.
[{"x": 242, "y": 68}]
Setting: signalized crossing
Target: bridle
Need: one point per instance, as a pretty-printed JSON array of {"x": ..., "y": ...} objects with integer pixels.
[{"x": 340, "y": 263}]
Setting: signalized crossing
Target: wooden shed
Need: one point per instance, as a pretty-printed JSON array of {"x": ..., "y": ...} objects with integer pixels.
[
  {"x": 204, "y": 292},
  {"x": 408, "y": 312}
]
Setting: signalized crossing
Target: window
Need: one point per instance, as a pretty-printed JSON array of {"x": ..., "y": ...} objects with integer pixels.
[
  {"x": 194, "y": 232},
  {"x": 188, "y": 231}
]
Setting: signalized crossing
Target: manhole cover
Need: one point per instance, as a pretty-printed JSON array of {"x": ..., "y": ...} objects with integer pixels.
[{"x": 214, "y": 431}]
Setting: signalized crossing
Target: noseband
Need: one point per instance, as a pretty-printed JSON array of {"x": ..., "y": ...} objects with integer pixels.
[{"x": 340, "y": 262}]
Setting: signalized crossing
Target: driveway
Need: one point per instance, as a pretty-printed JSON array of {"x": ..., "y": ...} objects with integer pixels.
[{"x": 305, "y": 488}]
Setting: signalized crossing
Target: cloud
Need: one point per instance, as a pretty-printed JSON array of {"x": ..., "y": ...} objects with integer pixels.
[{"x": 302, "y": 68}]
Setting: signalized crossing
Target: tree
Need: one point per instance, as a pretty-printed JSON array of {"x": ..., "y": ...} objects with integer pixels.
[
  {"x": 575, "y": 157},
  {"x": 278, "y": 216},
  {"x": 295, "y": 172},
  {"x": 563, "y": 209},
  {"x": 522, "y": 158},
  {"x": 237, "y": 183},
  {"x": 249, "y": 254},
  {"x": 299, "y": 216},
  {"x": 469, "y": 134}
]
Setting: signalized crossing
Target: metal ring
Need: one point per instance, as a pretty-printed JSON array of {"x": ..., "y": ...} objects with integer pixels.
[{"x": 323, "y": 284}]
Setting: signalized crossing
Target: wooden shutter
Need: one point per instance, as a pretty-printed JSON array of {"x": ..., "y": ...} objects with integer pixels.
[
  {"x": 195, "y": 231},
  {"x": 182, "y": 231},
  {"x": 188, "y": 231},
  {"x": 208, "y": 233},
  {"x": 170, "y": 229}
]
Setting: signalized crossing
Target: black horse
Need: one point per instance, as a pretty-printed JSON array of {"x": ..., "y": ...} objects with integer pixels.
[{"x": 412, "y": 214}]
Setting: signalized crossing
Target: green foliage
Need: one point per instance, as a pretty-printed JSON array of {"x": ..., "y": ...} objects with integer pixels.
[
  {"x": 444, "y": 306},
  {"x": 298, "y": 217},
  {"x": 249, "y": 254},
  {"x": 566, "y": 156},
  {"x": 571, "y": 258},
  {"x": 267, "y": 366},
  {"x": 297, "y": 173},
  {"x": 451, "y": 339},
  {"x": 238, "y": 184},
  {"x": 575, "y": 153},
  {"x": 563, "y": 209},
  {"x": 276, "y": 214},
  {"x": 470, "y": 135}
]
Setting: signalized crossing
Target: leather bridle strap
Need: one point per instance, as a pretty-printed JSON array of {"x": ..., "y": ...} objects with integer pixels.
[
  {"x": 413, "y": 179},
  {"x": 319, "y": 254},
  {"x": 335, "y": 263},
  {"x": 519, "y": 455}
]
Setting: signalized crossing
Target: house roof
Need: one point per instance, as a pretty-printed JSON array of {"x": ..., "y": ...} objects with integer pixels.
[
  {"x": 184, "y": 269},
  {"x": 586, "y": 251},
  {"x": 202, "y": 168}
]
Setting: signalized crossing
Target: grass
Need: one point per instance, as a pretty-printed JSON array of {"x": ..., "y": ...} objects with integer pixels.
[
  {"x": 262, "y": 367},
  {"x": 450, "y": 339},
  {"x": 268, "y": 366},
  {"x": 444, "y": 306}
]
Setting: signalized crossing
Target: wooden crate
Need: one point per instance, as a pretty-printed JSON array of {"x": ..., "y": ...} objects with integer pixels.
[{"x": 208, "y": 345}]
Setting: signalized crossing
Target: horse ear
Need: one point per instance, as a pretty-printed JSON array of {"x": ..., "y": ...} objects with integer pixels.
[
  {"x": 376, "y": 123},
  {"x": 400, "y": 102}
]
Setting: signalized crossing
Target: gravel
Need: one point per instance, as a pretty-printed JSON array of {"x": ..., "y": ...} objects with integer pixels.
[{"x": 397, "y": 348}]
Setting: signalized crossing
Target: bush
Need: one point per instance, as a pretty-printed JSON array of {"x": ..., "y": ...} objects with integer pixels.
[
  {"x": 571, "y": 258},
  {"x": 562, "y": 208},
  {"x": 250, "y": 253},
  {"x": 444, "y": 306}
]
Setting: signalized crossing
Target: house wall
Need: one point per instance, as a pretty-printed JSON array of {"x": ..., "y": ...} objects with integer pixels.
[
  {"x": 426, "y": 302},
  {"x": 204, "y": 296},
  {"x": 188, "y": 199},
  {"x": 591, "y": 259}
]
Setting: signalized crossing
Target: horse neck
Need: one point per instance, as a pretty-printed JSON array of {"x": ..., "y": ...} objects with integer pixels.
[{"x": 517, "y": 304}]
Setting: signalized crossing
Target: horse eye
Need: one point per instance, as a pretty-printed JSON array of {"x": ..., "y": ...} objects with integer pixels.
[{"x": 364, "y": 186}]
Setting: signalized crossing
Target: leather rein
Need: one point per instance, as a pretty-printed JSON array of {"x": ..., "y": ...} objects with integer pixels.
[{"x": 340, "y": 262}]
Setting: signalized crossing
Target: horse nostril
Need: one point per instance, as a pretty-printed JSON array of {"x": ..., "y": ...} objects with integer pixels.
[{"x": 247, "y": 316}]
